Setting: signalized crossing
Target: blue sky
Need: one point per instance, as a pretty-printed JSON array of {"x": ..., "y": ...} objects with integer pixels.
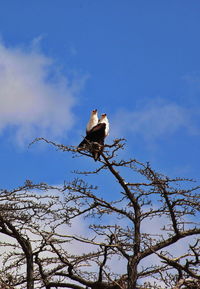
[{"x": 137, "y": 61}]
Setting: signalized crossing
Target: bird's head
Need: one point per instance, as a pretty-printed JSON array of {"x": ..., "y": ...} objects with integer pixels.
[
  {"x": 103, "y": 118},
  {"x": 94, "y": 111},
  {"x": 103, "y": 115}
]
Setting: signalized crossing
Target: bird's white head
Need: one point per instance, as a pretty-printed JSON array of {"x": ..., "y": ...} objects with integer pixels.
[
  {"x": 94, "y": 116},
  {"x": 103, "y": 118},
  {"x": 94, "y": 112}
]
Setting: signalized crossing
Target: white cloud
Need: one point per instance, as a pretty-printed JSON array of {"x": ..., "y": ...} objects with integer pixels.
[
  {"x": 154, "y": 119},
  {"x": 35, "y": 98}
]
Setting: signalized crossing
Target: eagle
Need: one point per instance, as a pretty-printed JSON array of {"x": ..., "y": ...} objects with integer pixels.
[{"x": 95, "y": 136}]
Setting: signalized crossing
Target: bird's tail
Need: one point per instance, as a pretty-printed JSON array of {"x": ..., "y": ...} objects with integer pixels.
[{"x": 83, "y": 143}]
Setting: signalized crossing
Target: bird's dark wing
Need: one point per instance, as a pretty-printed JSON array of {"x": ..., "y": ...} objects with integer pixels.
[
  {"x": 97, "y": 133},
  {"x": 83, "y": 143}
]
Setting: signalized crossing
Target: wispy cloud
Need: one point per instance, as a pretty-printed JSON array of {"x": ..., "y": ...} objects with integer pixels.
[
  {"x": 155, "y": 119},
  {"x": 35, "y": 97}
]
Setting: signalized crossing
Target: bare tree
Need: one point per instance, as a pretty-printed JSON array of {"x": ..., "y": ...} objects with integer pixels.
[
  {"x": 130, "y": 237},
  {"x": 23, "y": 215}
]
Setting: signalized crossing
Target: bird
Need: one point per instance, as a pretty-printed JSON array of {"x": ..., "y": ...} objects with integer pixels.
[
  {"x": 92, "y": 121},
  {"x": 94, "y": 139}
]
